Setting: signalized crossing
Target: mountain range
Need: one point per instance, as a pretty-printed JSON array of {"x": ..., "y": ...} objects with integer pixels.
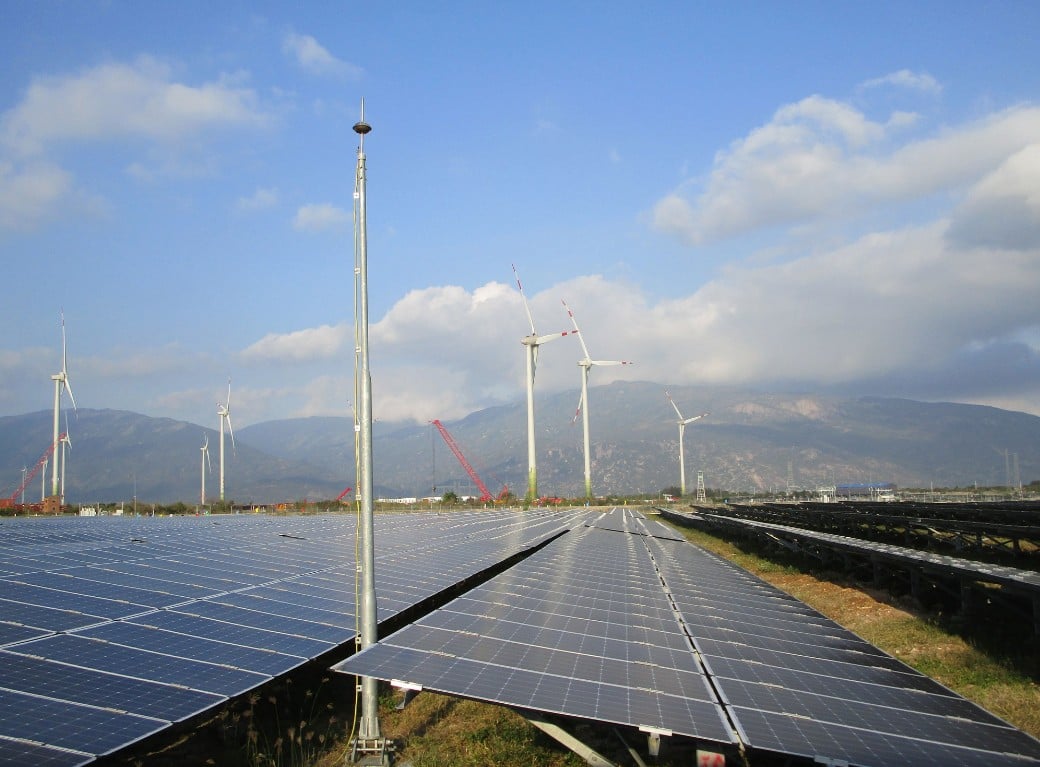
[{"x": 750, "y": 441}]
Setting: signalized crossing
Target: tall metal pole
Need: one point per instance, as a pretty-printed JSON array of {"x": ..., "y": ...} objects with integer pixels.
[
  {"x": 585, "y": 365},
  {"x": 532, "y": 458},
  {"x": 368, "y": 726},
  {"x": 682, "y": 462},
  {"x": 57, "y": 407}
]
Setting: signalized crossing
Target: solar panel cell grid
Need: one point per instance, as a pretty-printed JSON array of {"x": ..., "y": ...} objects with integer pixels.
[
  {"x": 74, "y": 684},
  {"x": 14, "y": 752},
  {"x": 217, "y": 603},
  {"x": 82, "y": 728}
]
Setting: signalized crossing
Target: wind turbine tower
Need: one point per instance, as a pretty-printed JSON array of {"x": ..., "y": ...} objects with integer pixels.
[
  {"x": 583, "y": 404},
  {"x": 682, "y": 431},
  {"x": 66, "y": 441},
  {"x": 61, "y": 383},
  {"x": 224, "y": 411},
  {"x": 205, "y": 462},
  {"x": 532, "y": 342}
]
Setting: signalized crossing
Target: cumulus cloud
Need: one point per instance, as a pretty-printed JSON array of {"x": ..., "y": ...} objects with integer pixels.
[
  {"x": 315, "y": 58},
  {"x": 318, "y": 343},
  {"x": 319, "y": 216},
  {"x": 1003, "y": 209},
  {"x": 119, "y": 100},
  {"x": 28, "y": 194},
  {"x": 899, "y": 312},
  {"x": 109, "y": 102},
  {"x": 820, "y": 158}
]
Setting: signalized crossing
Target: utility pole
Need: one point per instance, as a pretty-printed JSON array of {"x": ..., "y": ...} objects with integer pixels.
[{"x": 369, "y": 747}]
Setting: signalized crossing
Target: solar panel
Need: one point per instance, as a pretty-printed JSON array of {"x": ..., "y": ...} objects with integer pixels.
[
  {"x": 633, "y": 622},
  {"x": 19, "y": 752},
  {"x": 60, "y": 681},
  {"x": 810, "y": 687},
  {"x": 596, "y": 663},
  {"x": 112, "y": 628}
]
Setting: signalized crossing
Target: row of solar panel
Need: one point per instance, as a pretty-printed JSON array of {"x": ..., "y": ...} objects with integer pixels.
[
  {"x": 115, "y": 628},
  {"x": 1025, "y": 579},
  {"x": 623, "y": 623}
]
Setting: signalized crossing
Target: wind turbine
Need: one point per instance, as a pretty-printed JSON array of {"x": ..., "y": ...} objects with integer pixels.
[
  {"x": 682, "y": 430},
  {"x": 61, "y": 383},
  {"x": 583, "y": 403},
  {"x": 205, "y": 462},
  {"x": 224, "y": 411},
  {"x": 65, "y": 440},
  {"x": 532, "y": 342}
]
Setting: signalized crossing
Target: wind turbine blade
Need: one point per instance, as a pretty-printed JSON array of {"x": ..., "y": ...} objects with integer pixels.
[
  {"x": 232, "y": 432},
  {"x": 72, "y": 397},
  {"x": 526, "y": 307},
  {"x": 610, "y": 362},
  {"x": 669, "y": 396},
  {"x": 64, "y": 359},
  {"x": 695, "y": 418},
  {"x": 576, "y": 329},
  {"x": 553, "y": 336},
  {"x": 228, "y": 406},
  {"x": 581, "y": 404},
  {"x": 68, "y": 437}
]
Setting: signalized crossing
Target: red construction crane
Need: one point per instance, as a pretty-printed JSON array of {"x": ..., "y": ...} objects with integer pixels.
[
  {"x": 6, "y": 503},
  {"x": 340, "y": 496},
  {"x": 485, "y": 494}
]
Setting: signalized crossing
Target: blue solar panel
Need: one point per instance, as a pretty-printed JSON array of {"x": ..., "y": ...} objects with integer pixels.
[
  {"x": 600, "y": 617},
  {"x": 164, "y": 617},
  {"x": 15, "y": 753},
  {"x": 88, "y": 687},
  {"x": 81, "y": 728}
]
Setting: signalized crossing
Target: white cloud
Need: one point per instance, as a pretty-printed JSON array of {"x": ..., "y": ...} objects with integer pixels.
[
  {"x": 821, "y": 159},
  {"x": 261, "y": 199},
  {"x": 904, "y": 78},
  {"x": 116, "y": 100},
  {"x": 315, "y": 59},
  {"x": 319, "y": 216},
  {"x": 1003, "y": 209},
  {"x": 29, "y": 194},
  {"x": 107, "y": 103},
  {"x": 323, "y": 342}
]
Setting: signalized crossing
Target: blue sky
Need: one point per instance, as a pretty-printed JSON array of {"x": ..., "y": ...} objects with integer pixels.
[{"x": 810, "y": 196}]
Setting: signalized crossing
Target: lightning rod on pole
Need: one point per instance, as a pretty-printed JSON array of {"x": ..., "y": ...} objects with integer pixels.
[{"x": 369, "y": 747}]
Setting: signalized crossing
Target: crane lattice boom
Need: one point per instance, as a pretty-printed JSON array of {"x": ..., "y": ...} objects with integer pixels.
[
  {"x": 6, "y": 503},
  {"x": 485, "y": 494}
]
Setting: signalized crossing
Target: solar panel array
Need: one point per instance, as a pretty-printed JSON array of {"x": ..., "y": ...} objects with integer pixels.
[
  {"x": 582, "y": 627},
  {"x": 112, "y": 628},
  {"x": 621, "y": 622}
]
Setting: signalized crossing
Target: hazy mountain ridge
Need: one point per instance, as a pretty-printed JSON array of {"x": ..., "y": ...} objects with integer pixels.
[{"x": 748, "y": 441}]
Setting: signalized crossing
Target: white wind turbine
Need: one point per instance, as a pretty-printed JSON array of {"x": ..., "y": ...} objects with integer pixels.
[
  {"x": 583, "y": 403},
  {"x": 224, "y": 411},
  {"x": 532, "y": 342},
  {"x": 682, "y": 430},
  {"x": 61, "y": 383},
  {"x": 205, "y": 462},
  {"x": 66, "y": 440}
]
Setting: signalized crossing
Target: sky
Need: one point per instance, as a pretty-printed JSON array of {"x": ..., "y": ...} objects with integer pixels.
[{"x": 815, "y": 197}]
